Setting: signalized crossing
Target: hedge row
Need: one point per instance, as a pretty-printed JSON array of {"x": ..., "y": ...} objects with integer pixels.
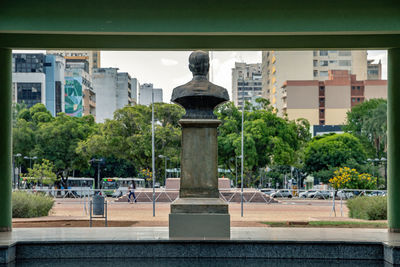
[
  {"x": 26, "y": 205},
  {"x": 368, "y": 208}
]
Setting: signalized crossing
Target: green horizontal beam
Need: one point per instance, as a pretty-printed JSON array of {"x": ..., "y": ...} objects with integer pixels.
[
  {"x": 190, "y": 42},
  {"x": 206, "y": 16}
]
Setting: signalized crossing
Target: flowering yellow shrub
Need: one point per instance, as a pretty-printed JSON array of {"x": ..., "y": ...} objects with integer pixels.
[
  {"x": 351, "y": 179},
  {"x": 146, "y": 174}
]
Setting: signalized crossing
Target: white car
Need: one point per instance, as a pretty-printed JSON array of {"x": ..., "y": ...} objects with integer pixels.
[
  {"x": 282, "y": 193},
  {"x": 267, "y": 191},
  {"x": 320, "y": 194},
  {"x": 344, "y": 195},
  {"x": 305, "y": 194}
]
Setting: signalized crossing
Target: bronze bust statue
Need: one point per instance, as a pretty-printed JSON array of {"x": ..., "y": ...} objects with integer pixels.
[{"x": 199, "y": 97}]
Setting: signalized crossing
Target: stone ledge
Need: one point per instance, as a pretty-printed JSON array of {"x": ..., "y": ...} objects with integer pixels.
[{"x": 199, "y": 205}]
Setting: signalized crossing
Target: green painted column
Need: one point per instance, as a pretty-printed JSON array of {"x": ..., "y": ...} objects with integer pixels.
[
  {"x": 5, "y": 140},
  {"x": 394, "y": 139}
]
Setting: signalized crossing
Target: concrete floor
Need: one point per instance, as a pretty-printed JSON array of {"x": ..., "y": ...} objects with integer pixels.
[{"x": 237, "y": 233}]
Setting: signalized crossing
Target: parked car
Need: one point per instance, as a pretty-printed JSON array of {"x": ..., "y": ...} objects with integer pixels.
[
  {"x": 376, "y": 193},
  {"x": 268, "y": 191},
  {"x": 320, "y": 194},
  {"x": 344, "y": 194},
  {"x": 306, "y": 193},
  {"x": 282, "y": 193}
]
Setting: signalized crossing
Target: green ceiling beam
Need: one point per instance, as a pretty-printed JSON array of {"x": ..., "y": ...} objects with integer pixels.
[
  {"x": 190, "y": 42},
  {"x": 206, "y": 16}
]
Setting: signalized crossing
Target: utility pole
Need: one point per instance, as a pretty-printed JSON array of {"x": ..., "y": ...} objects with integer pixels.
[
  {"x": 152, "y": 152},
  {"x": 242, "y": 157}
]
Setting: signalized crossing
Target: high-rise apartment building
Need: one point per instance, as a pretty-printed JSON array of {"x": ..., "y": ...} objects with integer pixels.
[
  {"x": 113, "y": 91},
  {"x": 39, "y": 78},
  {"x": 93, "y": 57},
  {"x": 124, "y": 90},
  {"x": 327, "y": 102},
  {"x": 145, "y": 92},
  {"x": 80, "y": 97},
  {"x": 246, "y": 83},
  {"x": 374, "y": 70},
  {"x": 54, "y": 67},
  {"x": 280, "y": 66}
]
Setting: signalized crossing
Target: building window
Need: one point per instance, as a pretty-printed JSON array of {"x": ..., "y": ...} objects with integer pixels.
[
  {"x": 315, "y": 73},
  {"x": 353, "y": 88},
  {"x": 323, "y": 63},
  {"x": 353, "y": 100},
  {"x": 29, "y": 93},
  {"x": 323, "y": 73},
  {"x": 315, "y": 53},
  {"x": 315, "y": 63},
  {"x": 333, "y": 62},
  {"x": 323, "y": 53},
  {"x": 344, "y": 53},
  {"x": 344, "y": 62}
]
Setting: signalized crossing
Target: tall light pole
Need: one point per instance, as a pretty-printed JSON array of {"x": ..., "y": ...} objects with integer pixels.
[
  {"x": 152, "y": 152},
  {"x": 165, "y": 169},
  {"x": 241, "y": 156},
  {"x": 236, "y": 157}
]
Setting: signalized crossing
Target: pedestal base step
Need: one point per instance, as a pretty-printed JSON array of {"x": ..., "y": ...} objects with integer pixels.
[{"x": 199, "y": 226}]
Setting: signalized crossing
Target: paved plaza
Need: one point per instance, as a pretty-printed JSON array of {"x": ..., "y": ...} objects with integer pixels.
[{"x": 141, "y": 214}]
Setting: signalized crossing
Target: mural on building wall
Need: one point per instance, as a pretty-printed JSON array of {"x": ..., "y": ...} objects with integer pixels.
[{"x": 73, "y": 96}]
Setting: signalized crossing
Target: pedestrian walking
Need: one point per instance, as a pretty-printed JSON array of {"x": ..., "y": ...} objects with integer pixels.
[{"x": 132, "y": 188}]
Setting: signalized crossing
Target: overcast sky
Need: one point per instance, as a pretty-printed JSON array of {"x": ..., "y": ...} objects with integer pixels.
[{"x": 166, "y": 69}]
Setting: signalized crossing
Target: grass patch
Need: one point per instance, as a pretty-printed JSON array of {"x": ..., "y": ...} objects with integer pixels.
[
  {"x": 26, "y": 205},
  {"x": 329, "y": 224}
]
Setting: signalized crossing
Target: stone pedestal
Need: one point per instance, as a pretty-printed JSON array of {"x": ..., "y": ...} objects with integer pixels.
[{"x": 199, "y": 212}]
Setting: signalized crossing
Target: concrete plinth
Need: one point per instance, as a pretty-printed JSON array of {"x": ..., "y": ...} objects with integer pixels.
[
  {"x": 199, "y": 226},
  {"x": 199, "y": 212},
  {"x": 199, "y": 218}
]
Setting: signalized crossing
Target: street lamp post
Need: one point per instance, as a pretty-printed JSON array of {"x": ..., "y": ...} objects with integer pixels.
[
  {"x": 241, "y": 156},
  {"x": 165, "y": 170},
  {"x": 152, "y": 151}
]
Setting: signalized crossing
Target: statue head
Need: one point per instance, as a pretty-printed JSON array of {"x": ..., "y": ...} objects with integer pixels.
[{"x": 199, "y": 63}]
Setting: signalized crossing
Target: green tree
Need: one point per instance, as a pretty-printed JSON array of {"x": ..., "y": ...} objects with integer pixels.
[
  {"x": 268, "y": 139},
  {"x": 57, "y": 140},
  {"x": 128, "y": 137},
  {"x": 329, "y": 151},
  {"x": 42, "y": 174},
  {"x": 368, "y": 121}
]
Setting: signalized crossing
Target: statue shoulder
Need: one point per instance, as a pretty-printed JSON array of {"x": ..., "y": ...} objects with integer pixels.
[{"x": 219, "y": 91}]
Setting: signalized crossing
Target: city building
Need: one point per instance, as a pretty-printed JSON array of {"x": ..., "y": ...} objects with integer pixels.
[
  {"x": 246, "y": 83},
  {"x": 280, "y": 66},
  {"x": 327, "y": 102},
  {"x": 105, "y": 86},
  {"x": 125, "y": 96},
  {"x": 39, "y": 78},
  {"x": 54, "y": 68},
  {"x": 374, "y": 70},
  {"x": 114, "y": 90},
  {"x": 93, "y": 57},
  {"x": 145, "y": 94},
  {"x": 80, "y": 97}
]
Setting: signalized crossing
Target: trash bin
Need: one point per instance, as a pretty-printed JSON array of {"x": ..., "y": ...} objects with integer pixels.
[{"x": 98, "y": 205}]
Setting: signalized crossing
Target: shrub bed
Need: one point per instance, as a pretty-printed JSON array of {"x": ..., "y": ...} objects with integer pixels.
[
  {"x": 368, "y": 208},
  {"x": 25, "y": 205}
]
